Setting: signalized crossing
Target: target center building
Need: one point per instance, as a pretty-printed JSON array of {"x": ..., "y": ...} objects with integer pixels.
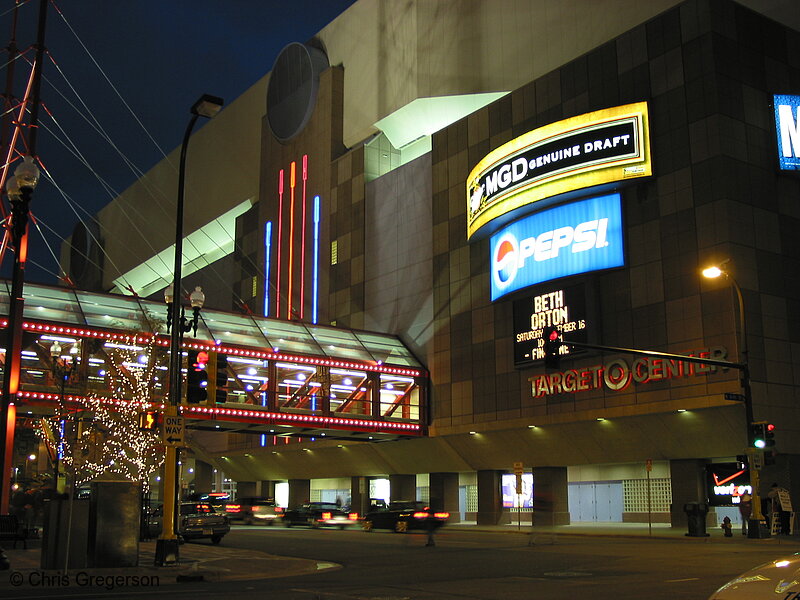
[{"x": 471, "y": 176}]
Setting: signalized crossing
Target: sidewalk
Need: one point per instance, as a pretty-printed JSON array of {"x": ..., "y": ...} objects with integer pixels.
[
  {"x": 624, "y": 530},
  {"x": 198, "y": 562}
]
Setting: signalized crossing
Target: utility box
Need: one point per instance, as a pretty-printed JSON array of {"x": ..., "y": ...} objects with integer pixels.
[
  {"x": 64, "y": 533},
  {"x": 114, "y": 514},
  {"x": 99, "y": 531}
]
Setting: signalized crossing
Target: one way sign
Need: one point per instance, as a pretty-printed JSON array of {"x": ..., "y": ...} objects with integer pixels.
[{"x": 172, "y": 431}]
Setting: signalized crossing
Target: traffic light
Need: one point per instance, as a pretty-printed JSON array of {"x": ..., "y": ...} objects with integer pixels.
[
  {"x": 197, "y": 376},
  {"x": 769, "y": 435},
  {"x": 769, "y": 444},
  {"x": 148, "y": 420},
  {"x": 218, "y": 382},
  {"x": 758, "y": 438},
  {"x": 552, "y": 343}
]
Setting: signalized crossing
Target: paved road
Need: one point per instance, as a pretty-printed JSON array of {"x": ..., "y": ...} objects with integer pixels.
[{"x": 468, "y": 565}]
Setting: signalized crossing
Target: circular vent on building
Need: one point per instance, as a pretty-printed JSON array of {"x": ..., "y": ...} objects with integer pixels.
[{"x": 292, "y": 89}]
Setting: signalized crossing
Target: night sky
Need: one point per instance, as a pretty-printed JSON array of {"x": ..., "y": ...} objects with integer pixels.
[{"x": 156, "y": 56}]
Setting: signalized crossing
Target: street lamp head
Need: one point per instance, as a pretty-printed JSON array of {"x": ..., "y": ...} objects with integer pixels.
[
  {"x": 207, "y": 106},
  {"x": 55, "y": 350},
  {"x": 197, "y": 298},
  {"x": 12, "y": 188},
  {"x": 169, "y": 294},
  {"x": 27, "y": 173},
  {"x": 712, "y": 272}
]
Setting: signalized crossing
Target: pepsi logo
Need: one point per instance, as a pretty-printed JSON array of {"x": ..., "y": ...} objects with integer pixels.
[{"x": 505, "y": 261}]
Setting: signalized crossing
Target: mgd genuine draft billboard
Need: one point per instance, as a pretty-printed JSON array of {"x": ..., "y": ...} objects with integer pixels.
[{"x": 569, "y": 239}]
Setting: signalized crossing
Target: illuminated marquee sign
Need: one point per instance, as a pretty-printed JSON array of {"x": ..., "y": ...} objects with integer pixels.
[
  {"x": 563, "y": 308},
  {"x": 726, "y": 483},
  {"x": 567, "y": 240},
  {"x": 592, "y": 149},
  {"x": 618, "y": 374},
  {"x": 787, "y": 125}
]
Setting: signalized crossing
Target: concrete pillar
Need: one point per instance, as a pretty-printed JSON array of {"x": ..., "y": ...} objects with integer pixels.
[
  {"x": 688, "y": 485},
  {"x": 402, "y": 487},
  {"x": 444, "y": 493},
  {"x": 299, "y": 492},
  {"x": 359, "y": 495},
  {"x": 265, "y": 489},
  {"x": 203, "y": 477},
  {"x": 245, "y": 489},
  {"x": 490, "y": 500},
  {"x": 550, "y": 496}
]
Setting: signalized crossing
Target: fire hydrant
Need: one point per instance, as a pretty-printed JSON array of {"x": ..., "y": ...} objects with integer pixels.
[{"x": 726, "y": 527}]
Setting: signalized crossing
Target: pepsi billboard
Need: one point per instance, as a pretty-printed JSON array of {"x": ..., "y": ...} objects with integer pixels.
[{"x": 567, "y": 240}]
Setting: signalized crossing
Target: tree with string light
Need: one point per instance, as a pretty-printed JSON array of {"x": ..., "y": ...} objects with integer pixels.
[{"x": 106, "y": 440}]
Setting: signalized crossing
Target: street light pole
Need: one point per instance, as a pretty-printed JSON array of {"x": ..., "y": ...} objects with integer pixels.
[
  {"x": 19, "y": 189},
  {"x": 754, "y": 529},
  {"x": 167, "y": 543}
]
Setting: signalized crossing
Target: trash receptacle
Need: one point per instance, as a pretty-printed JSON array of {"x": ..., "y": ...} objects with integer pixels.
[{"x": 696, "y": 516}]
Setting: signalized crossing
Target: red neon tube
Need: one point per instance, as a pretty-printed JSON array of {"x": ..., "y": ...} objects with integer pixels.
[
  {"x": 303, "y": 242},
  {"x": 280, "y": 235},
  {"x": 290, "y": 274}
]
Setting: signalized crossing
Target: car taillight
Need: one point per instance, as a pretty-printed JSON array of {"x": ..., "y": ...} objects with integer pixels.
[
  {"x": 326, "y": 516},
  {"x": 442, "y": 515},
  {"x": 353, "y": 516},
  {"x": 233, "y": 508},
  {"x": 420, "y": 515},
  {"x": 278, "y": 509}
]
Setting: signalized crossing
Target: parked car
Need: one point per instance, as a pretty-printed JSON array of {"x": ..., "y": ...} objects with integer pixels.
[
  {"x": 196, "y": 520},
  {"x": 319, "y": 514},
  {"x": 253, "y": 511},
  {"x": 777, "y": 579},
  {"x": 403, "y": 516}
]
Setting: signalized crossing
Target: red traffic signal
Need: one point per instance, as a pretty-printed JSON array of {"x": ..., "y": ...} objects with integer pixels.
[{"x": 552, "y": 344}]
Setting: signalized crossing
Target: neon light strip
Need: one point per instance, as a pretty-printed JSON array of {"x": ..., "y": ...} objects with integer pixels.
[
  {"x": 230, "y": 414},
  {"x": 267, "y": 249},
  {"x": 290, "y": 274},
  {"x": 315, "y": 291},
  {"x": 303, "y": 242},
  {"x": 280, "y": 236},
  {"x": 378, "y": 367}
]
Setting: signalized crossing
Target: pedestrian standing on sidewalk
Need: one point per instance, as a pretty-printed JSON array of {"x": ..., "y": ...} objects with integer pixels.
[{"x": 745, "y": 510}]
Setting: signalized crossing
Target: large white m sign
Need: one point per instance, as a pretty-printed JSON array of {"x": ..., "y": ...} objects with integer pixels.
[{"x": 787, "y": 125}]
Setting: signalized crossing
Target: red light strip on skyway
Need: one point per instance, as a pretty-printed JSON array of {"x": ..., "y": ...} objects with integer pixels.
[
  {"x": 378, "y": 367},
  {"x": 257, "y": 416},
  {"x": 294, "y": 419}
]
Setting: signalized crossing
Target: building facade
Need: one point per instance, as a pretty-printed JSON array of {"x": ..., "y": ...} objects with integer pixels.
[{"x": 387, "y": 191}]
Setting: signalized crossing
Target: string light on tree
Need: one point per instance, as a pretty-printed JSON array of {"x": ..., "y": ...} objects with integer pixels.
[{"x": 108, "y": 440}]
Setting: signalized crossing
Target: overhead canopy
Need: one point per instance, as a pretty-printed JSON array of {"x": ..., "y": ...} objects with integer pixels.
[{"x": 75, "y": 307}]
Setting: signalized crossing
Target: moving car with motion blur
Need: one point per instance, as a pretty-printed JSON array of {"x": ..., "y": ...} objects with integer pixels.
[
  {"x": 775, "y": 580},
  {"x": 319, "y": 514},
  {"x": 196, "y": 520},
  {"x": 253, "y": 511},
  {"x": 404, "y": 516}
]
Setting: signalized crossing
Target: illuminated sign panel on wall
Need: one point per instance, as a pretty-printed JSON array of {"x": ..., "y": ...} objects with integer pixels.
[
  {"x": 562, "y": 308},
  {"x": 592, "y": 149},
  {"x": 727, "y": 483},
  {"x": 787, "y": 125},
  {"x": 567, "y": 240}
]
